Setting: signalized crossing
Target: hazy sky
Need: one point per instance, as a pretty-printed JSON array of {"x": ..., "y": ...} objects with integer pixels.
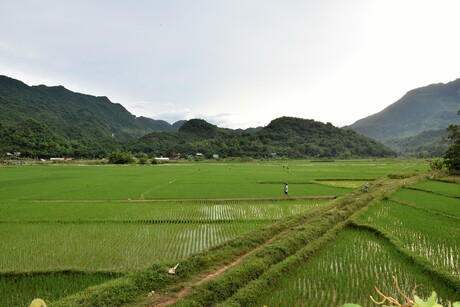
[{"x": 234, "y": 63}]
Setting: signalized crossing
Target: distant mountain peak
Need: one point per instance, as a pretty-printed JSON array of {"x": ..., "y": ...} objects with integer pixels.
[
  {"x": 79, "y": 122},
  {"x": 428, "y": 108},
  {"x": 54, "y": 121}
]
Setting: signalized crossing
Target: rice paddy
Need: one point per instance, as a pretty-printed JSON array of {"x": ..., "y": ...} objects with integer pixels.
[
  {"x": 101, "y": 222},
  {"x": 347, "y": 271},
  {"x": 18, "y": 289},
  {"x": 359, "y": 259},
  {"x": 431, "y": 236},
  {"x": 430, "y": 201}
]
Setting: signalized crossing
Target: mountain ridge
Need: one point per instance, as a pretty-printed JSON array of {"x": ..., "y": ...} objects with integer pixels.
[
  {"x": 432, "y": 107},
  {"x": 289, "y": 137},
  {"x": 54, "y": 121}
]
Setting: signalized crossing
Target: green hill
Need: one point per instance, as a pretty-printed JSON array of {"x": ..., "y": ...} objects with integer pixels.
[
  {"x": 423, "y": 145},
  {"x": 42, "y": 121},
  {"x": 428, "y": 108},
  {"x": 316, "y": 139},
  {"x": 286, "y": 136},
  {"x": 49, "y": 121}
]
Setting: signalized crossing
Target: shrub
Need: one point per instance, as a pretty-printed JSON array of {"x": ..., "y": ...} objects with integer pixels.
[
  {"x": 119, "y": 157},
  {"x": 142, "y": 158},
  {"x": 437, "y": 164}
]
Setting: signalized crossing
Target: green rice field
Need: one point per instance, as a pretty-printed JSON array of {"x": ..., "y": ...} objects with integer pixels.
[
  {"x": 434, "y": 237},
  {"x": 190, "y": 180},
  {"x": 347, "y": 271},
  {"x": 85, "y": 225},
  {"x": 359, "y": 259},
  {"x": 430, "y": 201},
  {"x": 439, "y": 187}
]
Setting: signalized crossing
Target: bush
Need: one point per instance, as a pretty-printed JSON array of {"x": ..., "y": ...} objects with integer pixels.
[
  {"x": 142, "y": 158},
  {"x": 118, "y": 157},
  {"x": 452, "y": 158},
  {"x": 437, "y": 164}
]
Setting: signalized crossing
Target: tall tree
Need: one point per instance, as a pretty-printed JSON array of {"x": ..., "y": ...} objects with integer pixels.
[{"x": 452, "y": 155}]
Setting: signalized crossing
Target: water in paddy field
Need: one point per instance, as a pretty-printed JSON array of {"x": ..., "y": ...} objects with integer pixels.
[{"x": 347, "y": 270}]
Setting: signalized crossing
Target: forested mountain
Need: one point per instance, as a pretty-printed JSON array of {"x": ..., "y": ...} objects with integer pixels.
[
  {"x": 423, "y": 145},
  {"x": 415, "y": 116},
  {"x": 41, "y": 121},
  {"x": 285, "y": 136},
  {"x": 50, "y": 121}
]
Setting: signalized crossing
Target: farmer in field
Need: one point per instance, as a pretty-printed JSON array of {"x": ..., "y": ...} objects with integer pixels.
[
  {"x": 286, "y": 189},
  {"x": 366, "y": 187}
]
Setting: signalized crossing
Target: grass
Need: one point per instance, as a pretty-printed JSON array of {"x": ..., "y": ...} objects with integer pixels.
[
  {"x": 339, "y": 274},
  {"x": 101, "y": 218},
  {"x": 442, "y": 187},
  {"x": 130, "y": 211},
  {"x": 242, "y": 286},
  {"x": 429, "y": 201},
  {"x": 18, "y": 289},
  {"x": 155, "y": 278},
  {"x": 186, "y": 180},
  {"x": 109, "y": 246},
  {"x": 432, "y": 237},
  {"x": 122, "y": 236}
]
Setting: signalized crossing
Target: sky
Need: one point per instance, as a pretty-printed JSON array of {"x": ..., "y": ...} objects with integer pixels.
[{"x": 234, "y": 63}]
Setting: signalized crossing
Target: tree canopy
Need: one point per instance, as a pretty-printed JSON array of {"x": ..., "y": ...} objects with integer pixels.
[{"x": 452, "y": 155}]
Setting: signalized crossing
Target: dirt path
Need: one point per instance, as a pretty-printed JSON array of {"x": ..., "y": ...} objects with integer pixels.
[{"x": 162, "y": 300}]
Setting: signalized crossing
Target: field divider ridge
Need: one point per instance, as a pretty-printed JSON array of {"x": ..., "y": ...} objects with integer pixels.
[
  {"x": 413, "y": 205},
  {"x": 153, "y": 200}
]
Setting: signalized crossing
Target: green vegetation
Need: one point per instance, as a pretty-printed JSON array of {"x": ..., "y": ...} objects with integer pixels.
[
  {"x": 19, "y": 289},
  {"x": 118, "y": 157},
  {"x": 110, "y": 246},
  {"x": 429, "y": 201},
  {"x": 285, "y": 137},
  {"x": 323, "y": 279},
  {"x": 347, "y": 271},
  {"x": 452, "y": 155},
  {"x": 44, "y": 122},
  {"x": 428, "y": 108},
  {"x": 427, "y": 144},
  {"x": 439, "y": 187},
  {"x": 189, "y": 180},
  {"x": 53, "y": 121},
  {"x": 115, "y": 231},
  {"x": 408, "y": 225}
]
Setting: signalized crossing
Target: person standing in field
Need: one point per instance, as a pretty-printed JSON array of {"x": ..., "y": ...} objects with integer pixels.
[
  {"x": 366, "y": 187},
  {"x": 286, "y": 189}
]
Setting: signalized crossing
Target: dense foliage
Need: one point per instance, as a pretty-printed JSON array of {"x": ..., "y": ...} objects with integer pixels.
[
  {"x": 286, "y": 137},
  {"x": 427, "y": 144},
  {"x": 44, "y": 122},
  {"x": 118, "y": 157},
  {"x": 53, "y": 121},
  {"x": 452, "y": 155}
]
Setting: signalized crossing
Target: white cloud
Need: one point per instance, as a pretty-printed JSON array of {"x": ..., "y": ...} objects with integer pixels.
[{"x": 236, "y": 63}]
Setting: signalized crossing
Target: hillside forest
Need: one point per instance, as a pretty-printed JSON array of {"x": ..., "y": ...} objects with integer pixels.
[{"x": 44, "y": 122}]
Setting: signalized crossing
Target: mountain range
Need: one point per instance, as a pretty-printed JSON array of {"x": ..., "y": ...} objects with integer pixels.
[
  {"x": 417, "y": 122},
  {"x": 286, "y": 137},
  {"x": 44, "y": 121}
]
